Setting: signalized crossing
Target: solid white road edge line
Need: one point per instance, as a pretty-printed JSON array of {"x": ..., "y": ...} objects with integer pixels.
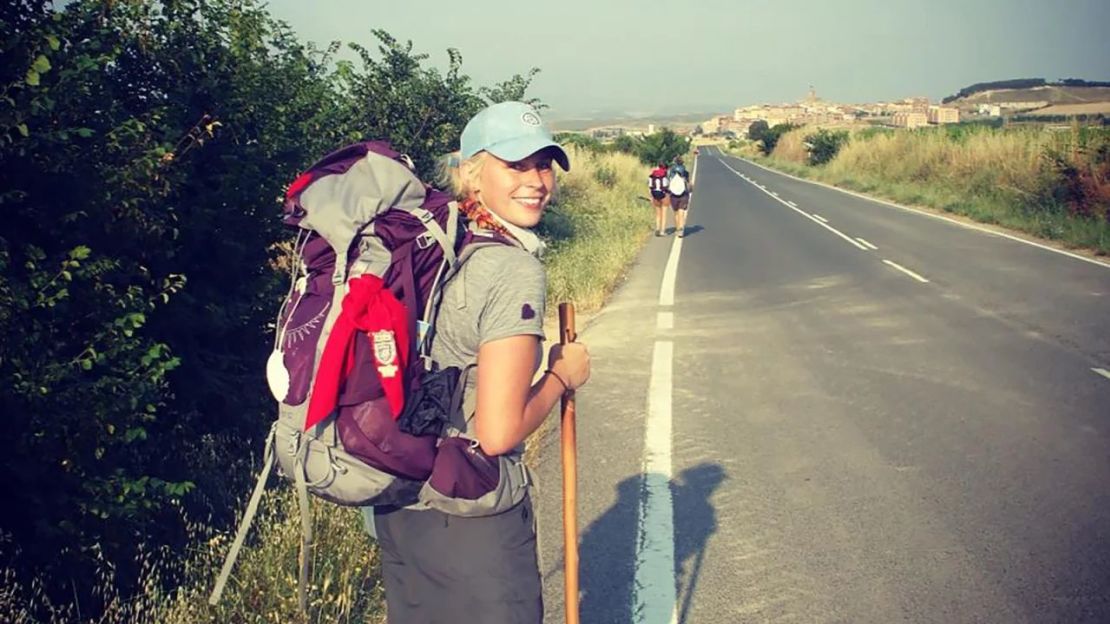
[
  {"x": 866, "y": 244},
  {"x": 1102, "y": 371},
  {"x": 653, "y": 591},
  {"x": 670, "y": 274}
]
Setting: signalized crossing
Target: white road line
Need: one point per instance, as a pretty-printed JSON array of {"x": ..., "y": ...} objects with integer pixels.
[
  {"x": 791, "y": 204},
  {"x": 664, "y": 320},
  {"x": 829, "y": 228},
  {"x": 969, "y": 226},
  {"x": 1102, "y": 371},
  {"x": 819, "y": 217},
  {"x": 906, "y": 271},
  {"x": 866, "y": 244},
  {"x": 653, "y": 592},
  {"x": 670, "y": 274},
  {"x": 816, "y": 220}
]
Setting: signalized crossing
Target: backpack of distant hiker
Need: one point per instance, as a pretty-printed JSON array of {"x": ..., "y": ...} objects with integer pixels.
[
  {"x": 676, "y": 184},
  {"x": 657, "y": 183},
  {"x": 364, "y": 413}
]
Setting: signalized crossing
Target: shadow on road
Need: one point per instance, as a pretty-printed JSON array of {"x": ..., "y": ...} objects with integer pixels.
[{"x": 607, "y": 553}]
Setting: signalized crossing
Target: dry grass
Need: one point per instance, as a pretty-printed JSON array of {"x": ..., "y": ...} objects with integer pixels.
[
  {"x": 597, "y": 228},
  {"x": 791, "y": 146},
  {"x": 1055, "y": 185}
]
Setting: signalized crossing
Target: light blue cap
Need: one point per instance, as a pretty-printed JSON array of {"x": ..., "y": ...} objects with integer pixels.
[{"x": 511, "y": 131}]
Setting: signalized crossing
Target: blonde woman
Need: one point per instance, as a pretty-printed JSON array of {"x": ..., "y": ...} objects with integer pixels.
[{"x": 443, "y": 568}]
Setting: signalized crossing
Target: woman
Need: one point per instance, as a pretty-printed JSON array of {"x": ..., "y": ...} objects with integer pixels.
[
  {"x": 443, "y": 568},
  {"x": 657, "y": 185},
  {"x": 679, "y": 189}
]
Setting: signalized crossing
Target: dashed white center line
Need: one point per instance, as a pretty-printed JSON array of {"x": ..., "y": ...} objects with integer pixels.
[
  {"x": 820, "y": 218},
  {"x": 791, "y": 204},
  {"x": 1102, "y": 371},
  {"x": 664, "y": 320},
  {"x": 866, "y": 244},
  {"x": 906, "y": 271}
]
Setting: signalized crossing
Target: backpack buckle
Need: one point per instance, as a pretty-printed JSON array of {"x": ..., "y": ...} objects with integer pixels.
[{"x": 425, "y": 240}]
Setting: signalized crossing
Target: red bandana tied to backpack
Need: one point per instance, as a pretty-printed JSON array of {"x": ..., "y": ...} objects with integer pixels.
[{"x": 371, "y": 308}]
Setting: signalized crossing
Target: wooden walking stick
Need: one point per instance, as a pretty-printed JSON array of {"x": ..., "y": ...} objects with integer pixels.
[{"x": 567, "y": 334}]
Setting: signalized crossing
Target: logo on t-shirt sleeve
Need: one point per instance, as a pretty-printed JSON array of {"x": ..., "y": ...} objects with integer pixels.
[{"x": 527, "y": 312}]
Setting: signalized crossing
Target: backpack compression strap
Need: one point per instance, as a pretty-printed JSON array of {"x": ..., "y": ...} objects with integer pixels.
[{"x": 248, "y": 517}]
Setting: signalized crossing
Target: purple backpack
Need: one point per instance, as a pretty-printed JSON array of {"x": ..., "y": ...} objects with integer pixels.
[{"x": 351, "y": 357}]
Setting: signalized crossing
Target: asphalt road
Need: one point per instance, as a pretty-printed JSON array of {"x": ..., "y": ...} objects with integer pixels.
[{"x": 911, "y": 427}]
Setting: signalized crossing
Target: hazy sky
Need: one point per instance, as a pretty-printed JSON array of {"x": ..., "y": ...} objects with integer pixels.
[{"x": 712, "y": 55}]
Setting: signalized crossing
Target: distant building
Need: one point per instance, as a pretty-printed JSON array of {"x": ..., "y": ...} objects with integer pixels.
[
  {"x": 651, "y": 129},
  {"x": 943, "y": 115},
  {"x": 918, "y": 104},
  {"x": 910, "y": 120}
]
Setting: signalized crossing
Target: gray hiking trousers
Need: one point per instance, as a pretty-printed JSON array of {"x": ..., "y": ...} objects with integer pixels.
[{"x": 442, "y": 569}]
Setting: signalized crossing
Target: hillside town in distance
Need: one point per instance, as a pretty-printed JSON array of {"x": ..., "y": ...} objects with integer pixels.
[{"x": 1039, "y": 104}]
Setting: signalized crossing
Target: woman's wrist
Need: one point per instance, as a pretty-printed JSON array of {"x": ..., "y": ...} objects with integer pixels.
[{"x": 559, "y": 378}]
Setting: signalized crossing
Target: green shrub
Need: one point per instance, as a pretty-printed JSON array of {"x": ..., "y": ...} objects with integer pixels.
[
  {"x": 605, "y": 176},
  {"x": 144, "y": 148},
  {"x": 771, "y": 137},
  {"x": 824, "y": 145}
]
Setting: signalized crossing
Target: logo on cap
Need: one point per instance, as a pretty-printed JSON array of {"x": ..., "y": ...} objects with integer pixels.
[{"x": 530, "y": 118}]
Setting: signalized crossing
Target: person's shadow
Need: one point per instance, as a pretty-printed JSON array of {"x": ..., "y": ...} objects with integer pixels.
[{"x": 608, "y": 550}]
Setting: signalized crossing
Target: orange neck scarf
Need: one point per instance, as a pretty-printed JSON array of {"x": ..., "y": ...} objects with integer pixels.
[{"x": 480, "y": 216}]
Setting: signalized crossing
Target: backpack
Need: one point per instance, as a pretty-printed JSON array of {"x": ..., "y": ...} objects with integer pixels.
[
  {"x": 657, "y": 181},
  {"x": 677, "y": 183},
  {"x": 363, "y": 411}
]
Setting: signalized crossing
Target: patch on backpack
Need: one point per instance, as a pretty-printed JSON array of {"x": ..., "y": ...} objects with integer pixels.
[{"x": 527, "y": 312}]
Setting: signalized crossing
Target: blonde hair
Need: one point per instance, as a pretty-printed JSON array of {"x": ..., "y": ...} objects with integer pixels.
[{"x": 461, "y": 176}]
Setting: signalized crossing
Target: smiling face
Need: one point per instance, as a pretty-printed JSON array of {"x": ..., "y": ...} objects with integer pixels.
[{"x": 518, "y": 192}]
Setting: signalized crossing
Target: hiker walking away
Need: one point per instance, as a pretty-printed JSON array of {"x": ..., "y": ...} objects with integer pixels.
[
  {"x": 679, "y": 189},
  {"x": 657, "y": 186},
  {"x": 439, "y": 567}
]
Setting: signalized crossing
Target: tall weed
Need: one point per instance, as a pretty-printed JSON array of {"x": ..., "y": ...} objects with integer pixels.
[{"x": 595, "y": 228}]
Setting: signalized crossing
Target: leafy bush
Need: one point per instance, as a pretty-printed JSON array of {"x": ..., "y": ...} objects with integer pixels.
[
  {"x": 771, "y": 137},
  {"x": 757, "y": 130},
  {"x": 824, "y": 145},
  {"x": 579, "y": 140},
  {"x": 605, "y": 176},
  {"x": 143, "y": 148},
  {"x": 662, "y": 147}
]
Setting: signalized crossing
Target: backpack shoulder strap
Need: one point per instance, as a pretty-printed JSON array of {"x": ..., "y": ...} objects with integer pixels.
[{"x": 446, "y": 240}]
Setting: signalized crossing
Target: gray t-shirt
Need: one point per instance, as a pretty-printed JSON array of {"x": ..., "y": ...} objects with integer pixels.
[{"x": 499, "y": 292}]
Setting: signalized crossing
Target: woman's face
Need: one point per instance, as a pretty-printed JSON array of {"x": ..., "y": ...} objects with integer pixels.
[{"x": 517, "y": 191}]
